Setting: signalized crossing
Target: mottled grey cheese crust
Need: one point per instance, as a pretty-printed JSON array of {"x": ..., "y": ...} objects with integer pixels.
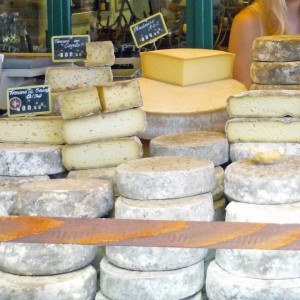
[
  {"x": 245, "y": 150},
  {"x": 165, "y": 177},
  {"x": 203, "y": 144},
  {"x": 275, "y": 72},
  {"x": 197, "y": 208},
  {"x": 80, "y": 284},
  {"x": 218, "y": 190},
  {"x": 30, "y": 159},
  {"x": 89, "y": 198},
  {"x": 276, "y": 48},
  {"x": 117, "y": 283},
  {"x": 278, "y": 183},
  {"x": 3, "y": 210},
  {"x": 221, "y": 285},
  {"x": 44, "y": 259}
]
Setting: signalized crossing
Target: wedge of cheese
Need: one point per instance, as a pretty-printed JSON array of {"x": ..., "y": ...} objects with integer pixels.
[
  {"x": 266, "y": 103},
  {"x": 102, "y": 154},
  {"x": 32, "y": 130},
  {"x": 263, "y": 130},
  {"x": 124, "y": 123},
  {"x": 185, "y": 66},
  {"x": 68, "y": 78},
  {"x": 120, "y": 95},
  {"x": 79, "y": 103},
  {"x": 100, "y": 54}
]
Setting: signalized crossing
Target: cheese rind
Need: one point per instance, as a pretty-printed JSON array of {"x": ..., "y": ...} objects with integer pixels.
[
  {"x": 79, "y": 103},
  {"x": 183, "y": 66},
  {"x": 266, "y": 103},
  {"x": 120, "y": 95},
  {"x": 88, "y": 198},
  {"x": 117, "y": 283},
  {"x": 102, "y": 154},
  {"x": 165, "y": 177},
  {"x": 218, "y": 190},
  {"x": 247, "y": 181},
  {"x": 276, "y": 48},
  {"x": 100, "y": 54},
  {"x": 255, "y": 86},
  {"x": 105, "y": 126},
  {"x": 275, "y": 72},
  {"x": 68, "y": 78},
  {"x": 202, "y": 144},
  {"x": 46, "y": 130},
  {"x": 263, "y": 130}
]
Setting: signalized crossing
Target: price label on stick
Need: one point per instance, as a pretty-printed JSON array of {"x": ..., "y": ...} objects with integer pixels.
[
  {"x": 148, "y": 30},
  {"x": 69, "y": 48},
  {"x": 31, "y": 100}
]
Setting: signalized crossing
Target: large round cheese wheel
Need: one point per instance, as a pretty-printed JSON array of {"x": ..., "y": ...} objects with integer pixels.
[
  {"x": 117, "y": 283},
  {"x": 221, "y": 285},
  {"x": 250, "y": 182},
  {"x": 30, "y": 159},
  {"x": 203, "y": 144},
  {"x": 65, "y": 198},
  {"x": 80, "y": 284},
  {"x": 165, "y": 177},
  {"x": 44, "y": 259},
  {"x": 172, "y": 109},
  {"x": 197, "y": 208}
]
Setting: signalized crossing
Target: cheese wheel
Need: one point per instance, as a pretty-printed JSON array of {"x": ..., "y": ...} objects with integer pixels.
[
  {"x": 117, "y": 283},
  {"x": 88, "y": 198},
  {"x": 100, "y": 54},
  {"x": 247, "y": 181},
  {"x": 221, "y": 285},
  {"x": 218, "y": 190},
  {"x": 276, "y": 48},
  {"x": 203, "y": 144},
  {"x": 256, "y": 86},
  {"x": 261, "y": 264},
  {"x": 165, "y": 177},
  {"x": 275, "y": 72},
  {"x": 81, "y": 284}
]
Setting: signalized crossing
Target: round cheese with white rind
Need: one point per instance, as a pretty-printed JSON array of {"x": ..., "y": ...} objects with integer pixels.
[
  {"x": 218, "y": 190},
  {"x": 165, "y": 177},
  {"x": 196, "y": 208},
  {"x": 81, "y": 284},
  {"x": 251, "y": 182},
  {"x": 276, "y": 48},
  {"x": 202, "y": 144},
  {"x": 221, "y": 285},
  {"x": 245, "y": 150},
  {"x": 44, "y": 259},
  {"x": 117, "y": 283},
  {"x": 89, "y": 198}
]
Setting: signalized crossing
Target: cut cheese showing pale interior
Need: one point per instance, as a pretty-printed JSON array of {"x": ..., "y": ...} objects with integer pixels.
[
  {"x": 263, "y": 130},
  {"x": 100, "y": 53},
  {"x": 266, "y": 103},
  {"x": 183, "y": 66}
]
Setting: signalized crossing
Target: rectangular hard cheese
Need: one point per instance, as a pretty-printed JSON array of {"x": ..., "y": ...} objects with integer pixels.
[
  {"x": 185, "y": 66},
  {"x": 100, "y": 54},
  {"x": 32, "y": 130},
  {"x": 124, "y": 123},
  {"x": 79, "y": 103},
  {"x": 266, "y": 103},
  {"x": 68, "y": 78},
  {"x": 120, "y": 95},
  {"x": 263, "y": 130},
  {"x": 101, "y": 154}
]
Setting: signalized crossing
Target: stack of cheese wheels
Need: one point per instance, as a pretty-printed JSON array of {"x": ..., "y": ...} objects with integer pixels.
[
  {"x": 261, "y": 193},
  {"x": 186, "y": 90},
  {"x": 276, "y": 62},
  {"x": 159, "y": 188},
  {"x": 265, "y": 125},
  {"x": 45, "y": 271},
  {"x": 202, "y": 144}
]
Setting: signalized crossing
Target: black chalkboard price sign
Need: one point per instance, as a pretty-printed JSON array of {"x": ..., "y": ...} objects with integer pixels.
[
  {"x": 30, "y": 100},
  {"x": 69, "y": 48},
  {"x": 148, "y": 30}
]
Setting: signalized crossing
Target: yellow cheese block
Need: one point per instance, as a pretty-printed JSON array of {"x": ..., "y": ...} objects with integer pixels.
[{"x": 185, "y": 66}]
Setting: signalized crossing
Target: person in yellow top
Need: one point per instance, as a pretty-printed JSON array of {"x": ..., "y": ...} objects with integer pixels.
[{"x": 263, "y": 17}]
